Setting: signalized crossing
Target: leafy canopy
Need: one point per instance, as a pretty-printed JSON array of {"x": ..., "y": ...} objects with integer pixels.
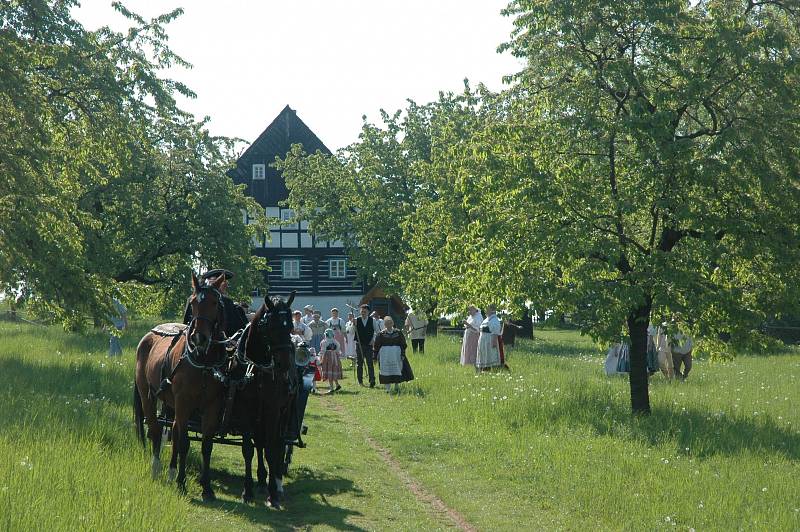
[{"x": 103, "y": 179}]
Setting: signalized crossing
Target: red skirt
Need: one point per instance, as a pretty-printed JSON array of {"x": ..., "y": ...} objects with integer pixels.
[{"x": 317, "y": 373}]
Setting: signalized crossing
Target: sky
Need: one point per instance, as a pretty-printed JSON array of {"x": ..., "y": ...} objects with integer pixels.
[{"x": 330, "y": 60}]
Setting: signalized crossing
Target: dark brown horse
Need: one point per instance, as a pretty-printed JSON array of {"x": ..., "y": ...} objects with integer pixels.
[
  {"x": 265, "y": 403},
  {"x": 188, "y": 361}
]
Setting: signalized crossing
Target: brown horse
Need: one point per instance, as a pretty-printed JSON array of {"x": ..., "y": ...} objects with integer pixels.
[
  {"x": 189, "y": 361},
  {"x": 266, "y": 402}
]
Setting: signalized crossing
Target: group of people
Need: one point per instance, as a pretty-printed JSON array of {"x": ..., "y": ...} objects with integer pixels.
[
  {"x": 482, "y": 346},
  {"x": 671, "y": 354},
  {"x": 366, "y": 339},
  {"x": 377, "y": 339}
]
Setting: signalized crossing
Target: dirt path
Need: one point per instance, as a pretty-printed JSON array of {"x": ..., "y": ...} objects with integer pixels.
[{"x": 437, "y": 505}]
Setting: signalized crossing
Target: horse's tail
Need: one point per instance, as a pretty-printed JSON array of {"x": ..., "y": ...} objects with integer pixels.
[{"x": 138, "y": 414}]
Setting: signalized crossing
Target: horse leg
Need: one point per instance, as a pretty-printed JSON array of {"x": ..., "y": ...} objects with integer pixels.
[
  {"x": 148, "y": 411},
  {"x": 145, "y": 405},
  {"x": 173, "y": 461},
  {"x": 262, "y": 469},
  {"x": 209, "y": 422},
  {"x": 205, "y": 477},
  {"x": 155, "y": 436},
  {"x": 180, "y": 448},
  {"x": 274, "y": 450},
  {"x": 247, "y": 454}
]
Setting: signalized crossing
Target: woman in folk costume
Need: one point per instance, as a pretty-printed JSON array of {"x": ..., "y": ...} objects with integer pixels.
[
  {"x": 317, "y": 330},
  {"x": 331, "y": 365},
  {"x": 350, "y": 338},
  {"x": 390, "y": 350},
  {"x": 336, "y": 324},
  {"x": 299, "y": 328},
  {"x": 472, "y": 326},
  {"x": 488, "y": 341},
  {"x": 308, "y": 314}
]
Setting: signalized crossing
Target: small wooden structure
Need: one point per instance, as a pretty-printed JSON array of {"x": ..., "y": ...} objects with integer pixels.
[{"x": 385, "y": 305}]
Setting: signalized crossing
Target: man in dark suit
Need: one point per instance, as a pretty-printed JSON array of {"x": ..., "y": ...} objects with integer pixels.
[
  {"x": 235, "y": 318},
  {"x": 366, "y": 329}
]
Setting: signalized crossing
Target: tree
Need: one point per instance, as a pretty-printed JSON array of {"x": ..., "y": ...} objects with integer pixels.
[
  {"x": 103, "y": 179},
  {"x": 370, "y": 189},
  {"x": 643, "y": 166}
]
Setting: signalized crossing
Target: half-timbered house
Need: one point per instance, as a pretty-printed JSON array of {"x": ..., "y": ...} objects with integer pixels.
[{"x": 298, "y": 260}]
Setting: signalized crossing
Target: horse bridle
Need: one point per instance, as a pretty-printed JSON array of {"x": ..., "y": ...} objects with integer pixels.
[
  {"x": 270, "y": 348},
  {"x": 215, "y": 324}
]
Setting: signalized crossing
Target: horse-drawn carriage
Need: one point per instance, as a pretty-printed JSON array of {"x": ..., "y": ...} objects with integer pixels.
[{"x": 249, "y": 390}]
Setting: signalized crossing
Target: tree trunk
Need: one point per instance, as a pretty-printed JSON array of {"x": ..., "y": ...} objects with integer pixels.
[{"x": 638, "y": 320}]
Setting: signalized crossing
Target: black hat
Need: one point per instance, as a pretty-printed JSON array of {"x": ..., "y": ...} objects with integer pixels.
[{"x": 213, "y": 274}]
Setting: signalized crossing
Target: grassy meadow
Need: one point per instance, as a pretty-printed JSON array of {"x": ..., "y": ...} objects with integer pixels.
[
  {"x": 549, "y": 446},
  {"x": 552, "y": 445}
]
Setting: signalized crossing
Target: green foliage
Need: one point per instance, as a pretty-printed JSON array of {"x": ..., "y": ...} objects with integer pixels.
[
  {"x": 374, "y": 188},
  {"x": 103, "y": 180},
  {"x": 644, "y": 159}
]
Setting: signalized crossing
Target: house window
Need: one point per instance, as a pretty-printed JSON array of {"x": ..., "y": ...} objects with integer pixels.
[
  {"x": 291, "y": 268},
  {"x": 337, "y": 268},
  {"x": 286, "y": 214},
  {"x": 289, "y": 240},
  {"x": 259, "y": 171}
]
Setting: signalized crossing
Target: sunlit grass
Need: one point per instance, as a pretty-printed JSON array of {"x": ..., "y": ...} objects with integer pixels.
[
  {"x": 552, "y": 444},
  {"x": 69, "y": 459}
]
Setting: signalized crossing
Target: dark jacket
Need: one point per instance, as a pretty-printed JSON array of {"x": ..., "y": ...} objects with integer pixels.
[
  {"x": 364, "y": 333},
  {"x": 235, "y": 318}
]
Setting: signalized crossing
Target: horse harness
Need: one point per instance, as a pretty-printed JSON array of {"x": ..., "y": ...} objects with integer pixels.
[
  {"x": 190, "y": 351},
  {"x": 223, "y": 368}
]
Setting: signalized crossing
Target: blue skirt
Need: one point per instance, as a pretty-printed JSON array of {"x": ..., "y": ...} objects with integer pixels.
[{"x": 316, "y": 340}]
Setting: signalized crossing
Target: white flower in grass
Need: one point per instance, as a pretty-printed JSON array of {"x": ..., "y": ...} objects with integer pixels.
[
  {"x": 764, "y": 489},
  {"x": 701, "y": 505}
]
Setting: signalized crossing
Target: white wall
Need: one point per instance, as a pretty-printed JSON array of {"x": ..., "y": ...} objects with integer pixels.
[{"x": 322, "y": 303}]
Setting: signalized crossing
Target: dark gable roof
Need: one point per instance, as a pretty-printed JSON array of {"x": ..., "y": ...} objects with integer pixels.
[{"x": 286, "y": 129}]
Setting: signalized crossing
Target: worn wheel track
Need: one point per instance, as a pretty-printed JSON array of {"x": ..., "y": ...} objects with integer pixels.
[{"x": 418, "y": 490}]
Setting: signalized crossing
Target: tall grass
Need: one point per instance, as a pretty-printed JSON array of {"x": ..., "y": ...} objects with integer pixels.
[
  {"x": 69, "y": 459},
  {"x": 553, "y": 444},
  {"x": 67, "y": 456}
]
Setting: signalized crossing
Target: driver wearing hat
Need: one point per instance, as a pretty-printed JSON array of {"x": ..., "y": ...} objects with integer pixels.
[{"x": 235, "y": 318}]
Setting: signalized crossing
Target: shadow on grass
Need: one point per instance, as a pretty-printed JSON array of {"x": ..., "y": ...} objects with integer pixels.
[
  {"x": 703, "y": 432},
  {"x": 305, "y": 503}
]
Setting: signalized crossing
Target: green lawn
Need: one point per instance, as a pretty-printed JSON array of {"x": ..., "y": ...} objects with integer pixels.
[
  {"x": 69, "y": 459},
  {"x": 550, "y": 445}
]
